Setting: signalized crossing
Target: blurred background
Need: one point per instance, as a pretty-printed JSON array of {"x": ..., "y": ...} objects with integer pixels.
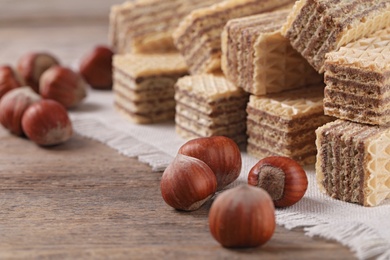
[
  {"x": 66, "y": 28},
  {"x": 42, "y": 11}
]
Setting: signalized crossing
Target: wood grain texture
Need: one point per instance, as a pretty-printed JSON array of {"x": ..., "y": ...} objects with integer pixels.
[{"x": 84, "y": 200}]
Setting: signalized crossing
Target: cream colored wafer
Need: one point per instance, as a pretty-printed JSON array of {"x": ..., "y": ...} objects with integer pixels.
[
  {"x": 208, "y": 105},
  {"x": 352, "y": 162},
  {"x": 198, "y": 36},
  {"x": 358, "y": 79},
  {"x": 284, "y": 123},
  {"x": 316, "y": 27},
  {"x": 257, "y": 58},
  {"x": 145, "y": 26},
  {"x": 144, "y": 85}
]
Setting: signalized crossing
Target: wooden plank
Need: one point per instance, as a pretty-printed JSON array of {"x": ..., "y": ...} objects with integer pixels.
[{"x": 82, "y": 199}]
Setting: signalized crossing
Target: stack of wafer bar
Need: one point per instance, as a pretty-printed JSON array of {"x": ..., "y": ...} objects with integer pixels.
[
  {"x": 140, "y": 26},
  {"x": 316, "y": 27},
  {"x": 208, "y": 105},
  {"x": 357, "y": 80},
  {"x": 198, "y": 36},
  {"x": 144, "y": 85},
  {"x": 284, "y": 124},
  {"x": 257, "y": 58},
  {"x": 353, "y": 162}
]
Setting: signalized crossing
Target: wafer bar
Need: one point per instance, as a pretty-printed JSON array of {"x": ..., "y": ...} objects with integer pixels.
[
  {"x": 284, "y": 124},
  {"x": 198, "y": 36},
  {"x": 352, "y": 162},
  {"x": 257, "y": 58},
  {"x": 316, "y": 27},
  {"x": 208, "y": 105},
  {"x": 357, "y": 80},
  {"x": 144, "y": 85},
  {"x": 141, "y": 26}
]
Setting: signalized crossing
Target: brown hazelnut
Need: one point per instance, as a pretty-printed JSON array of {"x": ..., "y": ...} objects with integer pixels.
[
  {"x": 220, "y": 153},
  {"x": 9, "y": 79},
  {"x": 13, "y": 105},
  {"x": 282, "y": 177},
  {"x": 46, "y": 122},
  {"x": 32, "y": 65},
  {"x": 187, "y": 183},
  {"x": 243, "y": 216},
  {"x": 63, "y": 85},
  {"x": 96, "y": 68}
]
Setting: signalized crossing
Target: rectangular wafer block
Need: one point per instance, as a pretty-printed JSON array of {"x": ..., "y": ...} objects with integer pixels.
[
  {"x": 257, "y": 58},
  {"x": 316, "y": 27},
  {"x": 284, "y": 124},
  {"x": 144, "y": 26},
  {"x": 144, "y": 85},
  {"x": 357, "y": 80},
  {"x": 208, "y": 105},
  {"x": 353, "y": 162},
  {"x": 198, "y": 36}
]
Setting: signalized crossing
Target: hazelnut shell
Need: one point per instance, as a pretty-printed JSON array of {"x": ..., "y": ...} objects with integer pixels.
[
  {"x": 96, "y": 67},
  {"x": 13, "y": 105},
  {"x": 243, "y": 216},
  {"x": 63, "y": 85},
  {"x": 47, "y": 123},
  {"x": 32, "y": 65},
  {"x": 282, "y": 177}
]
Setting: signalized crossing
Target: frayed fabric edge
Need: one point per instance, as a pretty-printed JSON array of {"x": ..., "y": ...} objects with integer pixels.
[
  {"x": 362, "y": 240},
  {"x": 123, "y": 143},
  {"x": 365, "y": 242}
]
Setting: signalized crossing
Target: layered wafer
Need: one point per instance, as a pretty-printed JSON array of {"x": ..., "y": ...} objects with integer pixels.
[
  {"x": 284, "y": 124},
  {"x": 141, "y": 26},
  {"x": 353, "y": 162},
  {"x": 209, "y": 105},
  {"x": 357, "y": 80},
  {"x": 257, "y": 58},
  {"x": 198, "y": 37},
  {"x": 316, "y": 27},
  {"x": 144, "y": 85}
]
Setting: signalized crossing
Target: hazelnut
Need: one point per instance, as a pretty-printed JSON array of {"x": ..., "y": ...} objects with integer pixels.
[
  {"x": 13, "y": 105},
  {"x": 9, "y": 79},
  {"x": 187, "y": 183},
  {"x": 243, "y": 216},
  {"x": 63, "y": 85},
  {"x": 46, "y": 122},
  {"x": 96, "y": 68},
  {"x": 282, "y": 177},
  {"x": 220, "y": 153},
  {"x": 32, "y": 65}
]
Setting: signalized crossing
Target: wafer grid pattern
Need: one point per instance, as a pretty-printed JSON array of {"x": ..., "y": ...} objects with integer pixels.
[
  {"x": 378, "y": 167},
  {"x": 372, "y": 53}
]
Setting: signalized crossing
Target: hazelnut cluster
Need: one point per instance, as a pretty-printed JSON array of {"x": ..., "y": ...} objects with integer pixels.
[
  {"x": 243, "y": 216},
  {"x": 201, "y": 167},
  {"x": 35, "y": 96}
]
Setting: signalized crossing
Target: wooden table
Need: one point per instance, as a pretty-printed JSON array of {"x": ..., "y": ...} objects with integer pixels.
[{"x": 83, "y": 200}]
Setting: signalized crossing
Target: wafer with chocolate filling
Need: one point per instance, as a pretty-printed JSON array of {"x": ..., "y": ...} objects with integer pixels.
[
  {"x": 208, "y": 105},
  {"x": 144, "y": 85},
  {"x": 198, "y": 37},
  {"x": 284, "y": 124},
  {"x": 352, "y": 162},
  {"x": 357, "y": 80},
  {"x": 316, "y": 27},
  {"x": 141, "y": 26},
  {"x": 257, "y": 58}
]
